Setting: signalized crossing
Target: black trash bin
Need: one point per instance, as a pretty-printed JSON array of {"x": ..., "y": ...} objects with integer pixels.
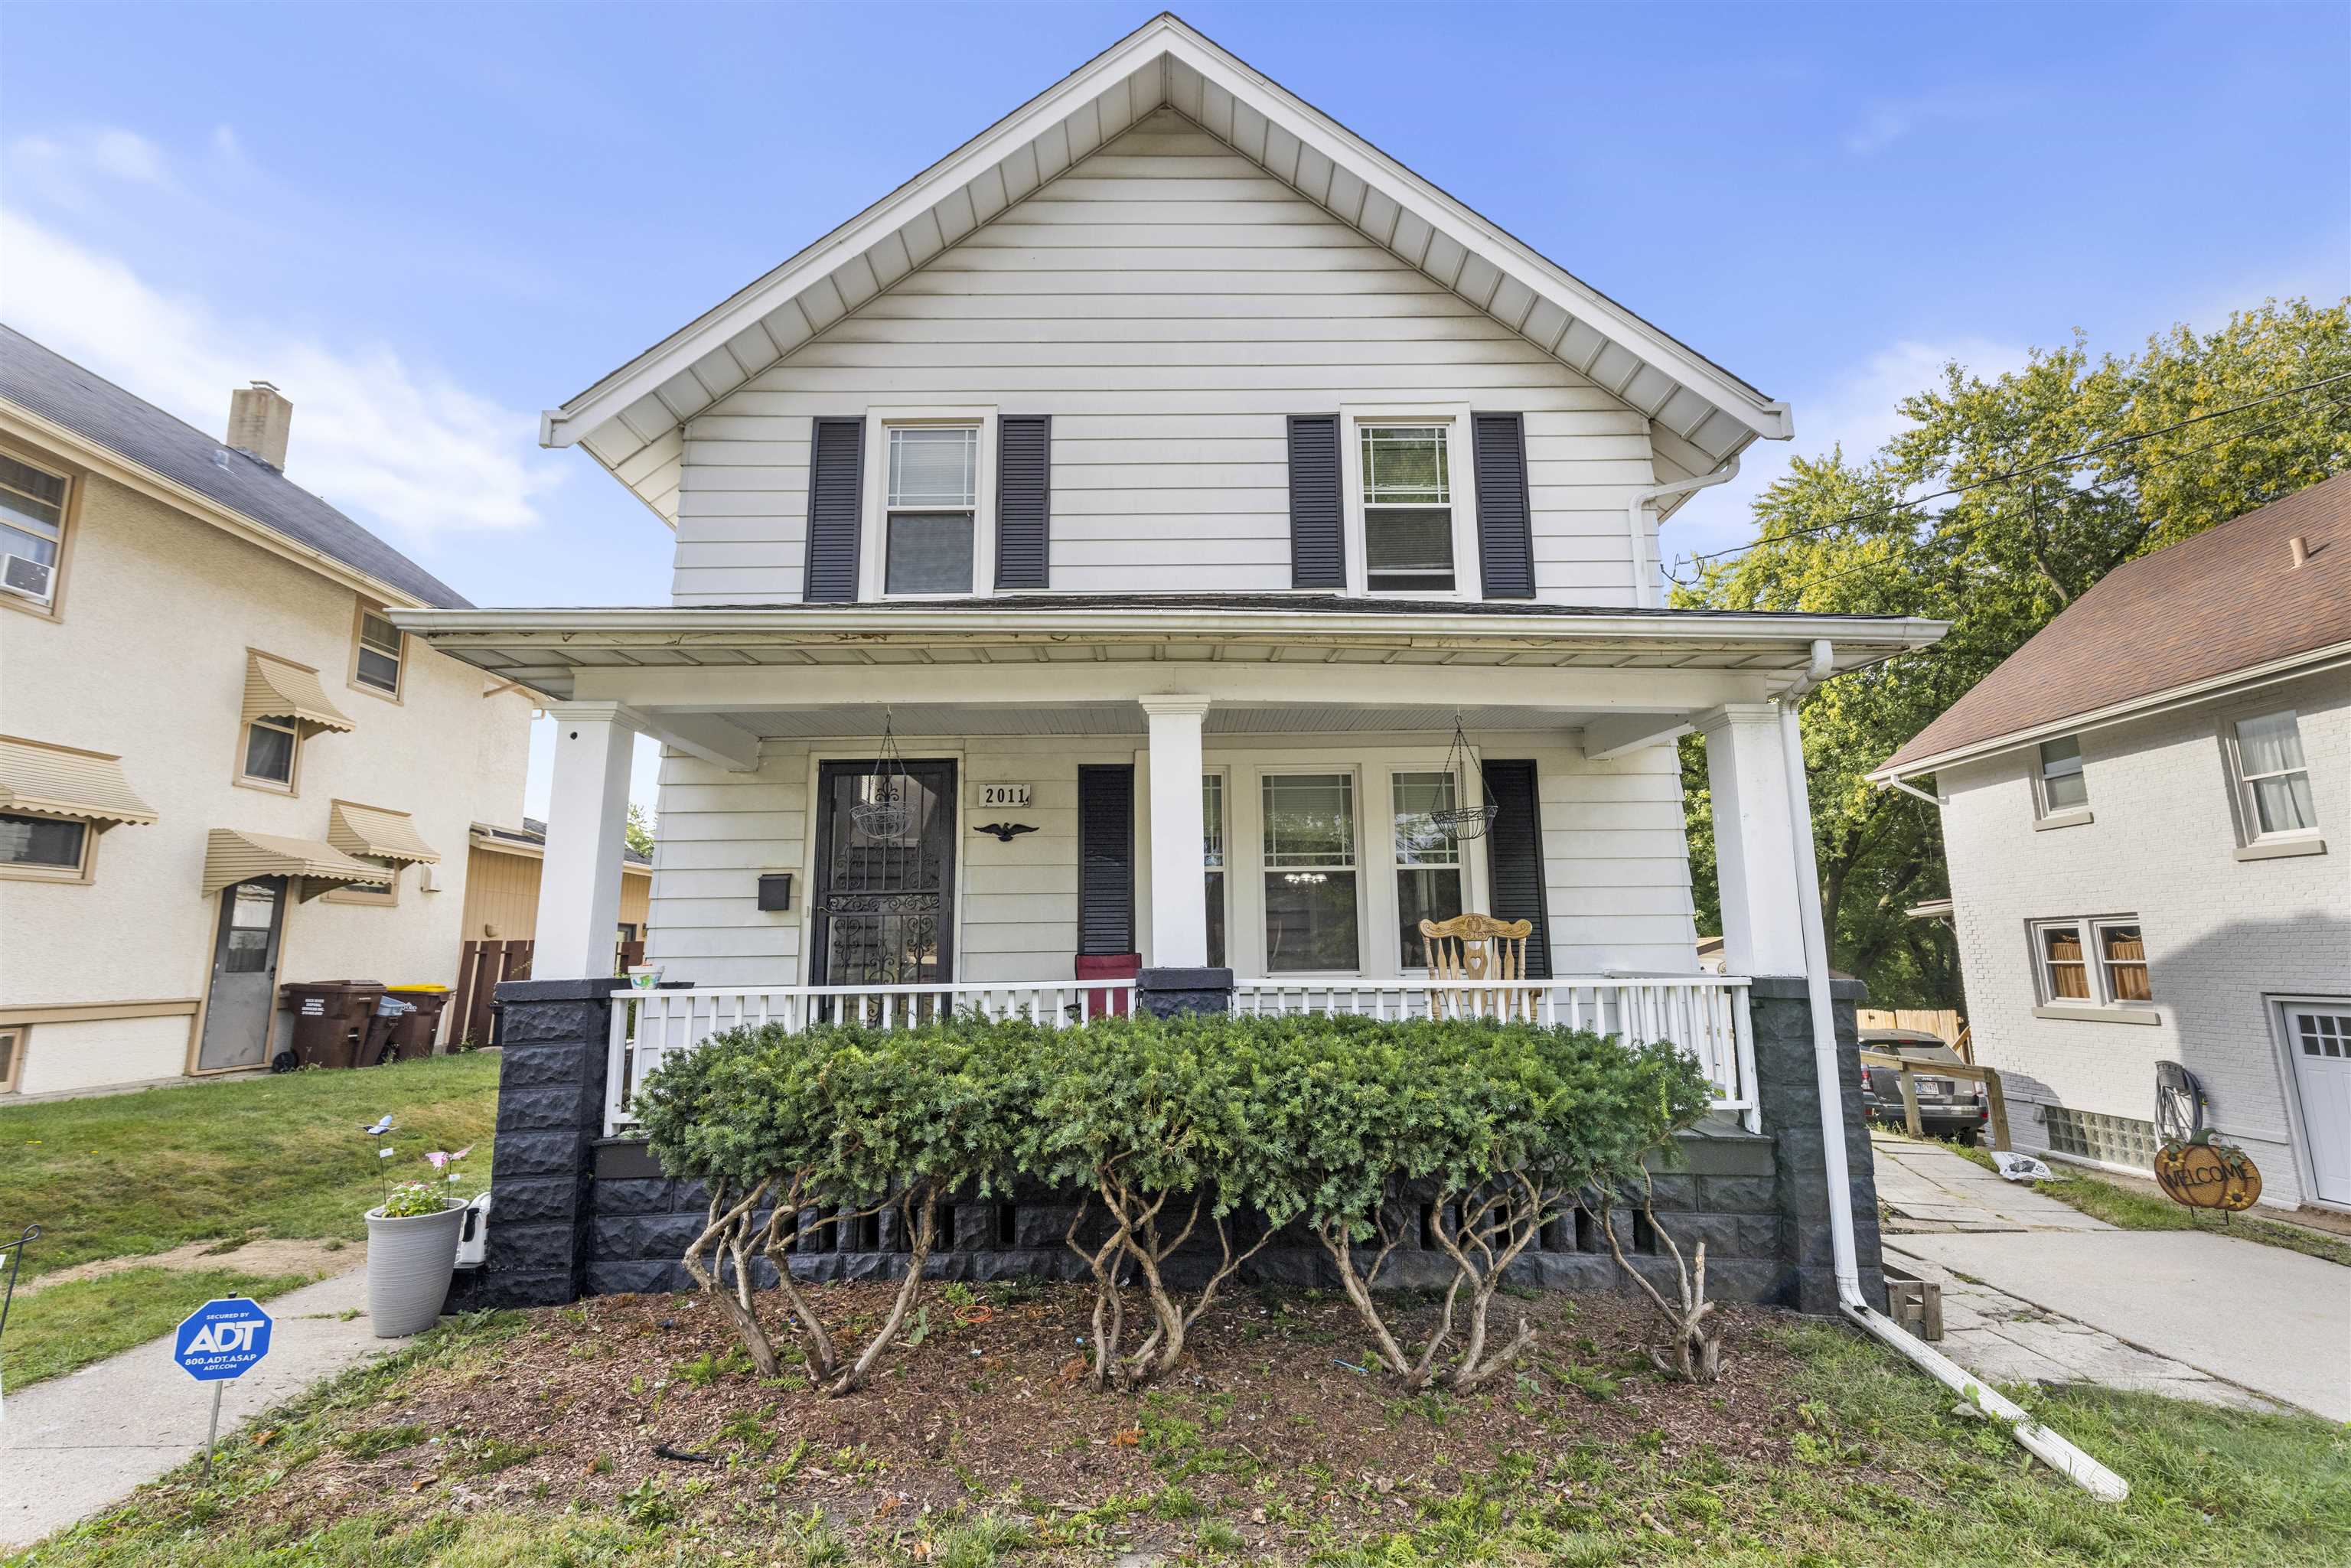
[{"x": 331, "y": 1021}]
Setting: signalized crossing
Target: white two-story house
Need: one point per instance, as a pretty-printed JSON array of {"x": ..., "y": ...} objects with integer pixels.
[
  {"x": 1085, "y": 555},
  {"x": 2146, "y": 810}
]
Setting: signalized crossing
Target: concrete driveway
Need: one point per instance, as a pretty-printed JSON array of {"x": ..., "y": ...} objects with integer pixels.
[{"x": 2066, "y": 1298}]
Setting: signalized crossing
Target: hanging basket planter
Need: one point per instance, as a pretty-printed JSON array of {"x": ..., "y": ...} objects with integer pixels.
[
  {"x": 1464, "y": 821},
  {"x": 885, "y": 813}
]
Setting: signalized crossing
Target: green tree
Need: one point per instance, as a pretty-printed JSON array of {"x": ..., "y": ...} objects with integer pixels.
[
  {"x": 1996, "y": 505},
  {"x": 639, "y": 830}
]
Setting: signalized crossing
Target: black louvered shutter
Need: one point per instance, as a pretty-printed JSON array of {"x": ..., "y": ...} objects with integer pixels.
[
  {"x": 1317, "y": 551},
  {"x": 1024, "y": 500},
  {"x": 1514, "y": 857},
  {"x": 1506, "y": 543},
  {"x": 836, "y": 479},
  {"x": 1106, "y": 859}
]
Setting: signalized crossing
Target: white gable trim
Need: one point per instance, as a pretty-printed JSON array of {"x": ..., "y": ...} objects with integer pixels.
[{"x": 631, "y": 420}]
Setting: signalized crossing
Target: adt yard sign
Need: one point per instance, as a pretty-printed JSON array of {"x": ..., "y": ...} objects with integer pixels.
[{"x": 222, "y": 1339}]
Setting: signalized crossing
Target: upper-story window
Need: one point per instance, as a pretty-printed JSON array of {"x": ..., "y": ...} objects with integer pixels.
[
  {"x": 2060, "y": 786},
  {"x": 273, "y": 746},
  {"x": 1408, "y": 517},
  {"x": 32, "y": 532},
  {"x": 2273, "y": 782},
  {"x": 379, "y": 653},
  {"x": 43, "y": 846},
  {"x": 933, "y": 509}
]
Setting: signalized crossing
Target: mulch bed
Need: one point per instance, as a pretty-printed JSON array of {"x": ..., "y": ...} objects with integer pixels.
[{"x": 1276, "y": 1418}]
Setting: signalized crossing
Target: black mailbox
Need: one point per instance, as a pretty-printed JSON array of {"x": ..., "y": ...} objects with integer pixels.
[{"x": 776, "y": 890}]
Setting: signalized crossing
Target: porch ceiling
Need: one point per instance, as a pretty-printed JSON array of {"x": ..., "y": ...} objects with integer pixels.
[
  {"x": 846, "y": 720},
  {"x": 568, "y": 654}
]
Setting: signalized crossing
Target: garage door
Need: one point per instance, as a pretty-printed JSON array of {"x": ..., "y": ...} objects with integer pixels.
[{"x": 2319, "y": 1038}]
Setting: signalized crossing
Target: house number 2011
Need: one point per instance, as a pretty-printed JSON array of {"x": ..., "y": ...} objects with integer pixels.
[{"x": 1003, "y": 795}]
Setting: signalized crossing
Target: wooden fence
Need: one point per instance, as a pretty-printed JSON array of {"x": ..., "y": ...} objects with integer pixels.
[
  {"x": 482, "y": 965},
  {"x": 1944, "y": 1023}
]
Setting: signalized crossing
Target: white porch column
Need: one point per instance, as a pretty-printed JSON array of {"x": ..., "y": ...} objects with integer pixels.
[
  {"x": 1755, "y": 861},
  {"x": 1179, "y": 895},
  {"x": 587, "y": 812}
]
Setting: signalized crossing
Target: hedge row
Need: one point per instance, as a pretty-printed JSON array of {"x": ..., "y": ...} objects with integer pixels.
[{"x": 1172, "y": 1126}]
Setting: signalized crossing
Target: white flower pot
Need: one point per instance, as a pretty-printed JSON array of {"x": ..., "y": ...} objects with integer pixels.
[{"x": 409, "y": 1262}]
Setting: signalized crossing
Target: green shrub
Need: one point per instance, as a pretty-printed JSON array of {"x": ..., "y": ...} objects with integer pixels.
[{"x": 1351, "y": 1127}]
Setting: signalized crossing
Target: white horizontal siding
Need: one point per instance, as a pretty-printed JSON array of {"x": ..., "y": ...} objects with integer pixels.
[
  {"x": 1169, "y": 305},
  {"x": 1616, "y": 871}
]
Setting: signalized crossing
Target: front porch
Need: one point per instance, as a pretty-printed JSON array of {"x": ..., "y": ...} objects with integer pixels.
[{"x": 1230, "y": 799}]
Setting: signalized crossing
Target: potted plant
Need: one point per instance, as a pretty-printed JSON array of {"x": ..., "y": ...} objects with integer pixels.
[{"x": 413, "y": 1243}]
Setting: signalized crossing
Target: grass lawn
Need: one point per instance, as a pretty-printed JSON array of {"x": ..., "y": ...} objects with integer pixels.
[
  {"x": 2129, "y": 1208},
  {"x": 514, "y": 1438},
  {"x": 127, "y": 1176}
]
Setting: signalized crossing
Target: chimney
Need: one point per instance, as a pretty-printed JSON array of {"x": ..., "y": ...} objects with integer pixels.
[
  {"x": 259, "y": 418},
  {"x": 2299, "y": 547}
]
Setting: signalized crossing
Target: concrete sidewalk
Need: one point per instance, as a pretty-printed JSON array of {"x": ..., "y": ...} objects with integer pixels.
[
  {"x": 75, "y": 1446},
  {"x": 2275, "y": 1322},
  {"x": 1930, "y": 1188}
]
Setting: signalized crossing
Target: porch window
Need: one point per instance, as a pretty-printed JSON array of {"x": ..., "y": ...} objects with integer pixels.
[
  {"x": 1309, "y": 873},
  {"x": 2273, "y": 780},
  {"x": 934, "y": 498},
  {"x": 32, "y": 530},
  {"x": 2062, "y": 785},
  {"x": 1427, "y": 861},
  {"x": 1407, "y": 509},
  {"x": 1212, "y": 858}
]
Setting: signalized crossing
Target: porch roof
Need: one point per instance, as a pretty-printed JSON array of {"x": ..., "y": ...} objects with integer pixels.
[{"x": 545, "y": 649}]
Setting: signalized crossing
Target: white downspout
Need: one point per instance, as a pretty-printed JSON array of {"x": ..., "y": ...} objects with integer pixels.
[
  {"x": 1636, "y": 517},
  {"x": 2037, "y": 1440}
]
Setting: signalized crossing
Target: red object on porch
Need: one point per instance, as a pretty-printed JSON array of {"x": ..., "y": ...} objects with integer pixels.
[{"x": 1108, "y": 967}]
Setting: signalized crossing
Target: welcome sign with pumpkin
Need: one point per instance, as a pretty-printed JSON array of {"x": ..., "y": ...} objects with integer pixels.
[{"x": 2203, "y": 1174}]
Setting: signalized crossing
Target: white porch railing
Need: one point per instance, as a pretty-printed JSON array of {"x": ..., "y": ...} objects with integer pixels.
[
  {"x": 1705, "y": 1015},
  {"x": 650, "y": 1026}
]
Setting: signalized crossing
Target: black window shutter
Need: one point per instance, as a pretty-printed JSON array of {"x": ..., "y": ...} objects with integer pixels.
[
  {"x": 1106, "y": 859},
  {"x": 836, "y": 503},
  {"x": 1506, "y": 544},
  {"x": 1317, "y": 551},
  {"x": 1024, "y": 500},
  {"x": 1514, "y": 857}
]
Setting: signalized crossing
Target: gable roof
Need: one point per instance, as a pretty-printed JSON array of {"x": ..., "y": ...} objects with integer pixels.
[
  {"x": 632, "y": 421},
  {"x": 48, "y": 384},
  {"x": 2226, "y": 603}
]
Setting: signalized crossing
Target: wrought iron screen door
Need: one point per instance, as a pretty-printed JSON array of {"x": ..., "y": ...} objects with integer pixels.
[{"x": 884, "y": 905}]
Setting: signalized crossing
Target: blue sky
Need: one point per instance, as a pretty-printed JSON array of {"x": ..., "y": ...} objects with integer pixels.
[{"x": 427, "y": 223}]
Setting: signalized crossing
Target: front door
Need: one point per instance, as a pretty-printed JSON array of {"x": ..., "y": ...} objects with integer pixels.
[
  {"x": 242, "y": 1002},
  {"x": 884, "y": 905},
  {"x": 2319, "y": 1040}
]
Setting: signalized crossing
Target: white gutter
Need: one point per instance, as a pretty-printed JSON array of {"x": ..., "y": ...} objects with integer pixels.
[
  {"x": 2037, "y": 1440},
  {"x": 1935, "y": 801},
  {"x": 1636, "y": 515}
]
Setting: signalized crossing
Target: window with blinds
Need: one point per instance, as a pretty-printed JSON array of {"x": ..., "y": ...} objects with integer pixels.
[
  {"x": 1407, "y": 508},
  {"x": 934, "y": 495},
  {"x": 2096, "y": 962},
  {"x": 2273, "y": 780}
]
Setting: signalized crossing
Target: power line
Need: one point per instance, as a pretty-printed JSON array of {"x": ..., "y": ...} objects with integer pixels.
[
  {"x": 2067, "y": 460},
  {"x": 1963, "y": 533}
]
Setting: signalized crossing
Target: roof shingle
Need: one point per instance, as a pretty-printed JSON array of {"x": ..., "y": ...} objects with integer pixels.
[
  {"x": 96, "y": 409},
  {"x": 2229, "y": 599}
]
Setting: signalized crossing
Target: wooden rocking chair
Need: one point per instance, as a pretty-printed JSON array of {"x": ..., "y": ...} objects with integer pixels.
[{"x": 1478, "y": 947}]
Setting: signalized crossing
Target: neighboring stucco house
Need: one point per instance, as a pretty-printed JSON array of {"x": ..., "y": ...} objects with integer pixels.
[
  {"x": 1083, "y": 558},
  {"x": 223, "y": 767},
  {"x": 2146, "y": 810}
]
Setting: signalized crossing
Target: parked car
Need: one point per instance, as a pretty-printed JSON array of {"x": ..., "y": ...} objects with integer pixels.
[{"x": 1947, "y": 1107}]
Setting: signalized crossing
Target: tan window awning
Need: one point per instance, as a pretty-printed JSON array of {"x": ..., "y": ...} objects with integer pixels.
[
  {"x": 67, "y": 782},
  {"x": 234, "y": 856},
  {"x": 281, "y": 689},
  {"x": 386, "y": 834}
]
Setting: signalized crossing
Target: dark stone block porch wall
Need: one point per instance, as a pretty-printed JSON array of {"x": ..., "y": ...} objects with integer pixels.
[{"x": 578, "y": 1214}]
